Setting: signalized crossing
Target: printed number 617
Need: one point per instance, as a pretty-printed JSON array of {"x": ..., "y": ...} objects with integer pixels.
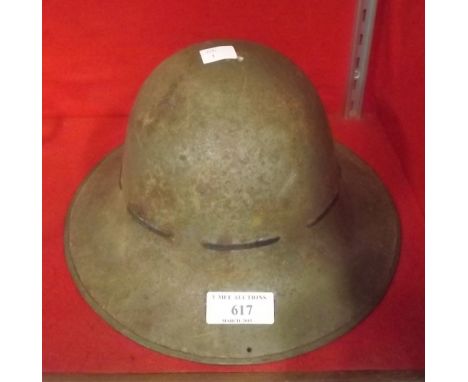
[{"x": 241, "y": 310}]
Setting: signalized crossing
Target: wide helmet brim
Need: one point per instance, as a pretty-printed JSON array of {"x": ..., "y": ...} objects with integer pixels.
[{"x": 153, "y": 291}]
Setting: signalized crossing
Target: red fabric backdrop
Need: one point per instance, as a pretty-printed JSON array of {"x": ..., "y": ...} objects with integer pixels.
[{"x": 95, "y": 57}]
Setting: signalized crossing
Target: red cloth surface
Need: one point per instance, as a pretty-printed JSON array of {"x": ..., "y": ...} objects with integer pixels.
[
  {"x": 395, "y": 91},
  {"x": 96, "y": 55}
]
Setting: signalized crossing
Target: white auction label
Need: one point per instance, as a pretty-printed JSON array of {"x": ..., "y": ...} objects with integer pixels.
[
  {"x": 240, "y": 308},
  {"x": 217, "y": 53}
]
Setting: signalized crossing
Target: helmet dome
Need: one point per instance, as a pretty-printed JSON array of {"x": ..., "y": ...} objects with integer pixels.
[{"x": 232, "y": 153}]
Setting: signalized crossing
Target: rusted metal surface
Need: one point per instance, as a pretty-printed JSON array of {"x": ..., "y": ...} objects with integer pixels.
[
  {"x": 229, "y": 152},
  {"x": 231, "y": 181}
]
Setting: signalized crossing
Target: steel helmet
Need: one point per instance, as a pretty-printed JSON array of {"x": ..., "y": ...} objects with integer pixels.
[{"x": 229, "y": 180}]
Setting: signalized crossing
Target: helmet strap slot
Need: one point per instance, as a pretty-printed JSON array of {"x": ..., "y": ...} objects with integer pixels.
[{"x": 240, "y": 246}]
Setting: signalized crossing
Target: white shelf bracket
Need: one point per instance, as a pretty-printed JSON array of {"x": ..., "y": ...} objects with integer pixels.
[{"x": 362, "y": 42}]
